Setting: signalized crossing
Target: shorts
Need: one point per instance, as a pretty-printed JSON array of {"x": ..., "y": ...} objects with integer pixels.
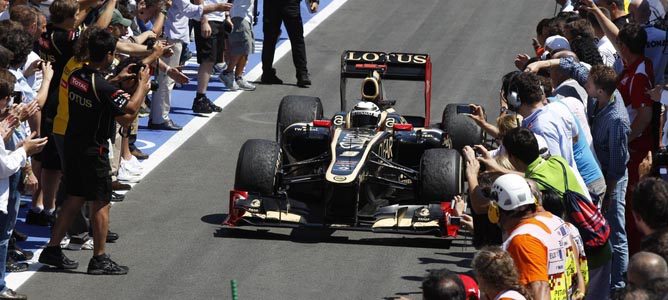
[
  {"x": 210, "y": 49},
  {"x": 88, "y": 174},
  {"x": 49, "y": 154},
  {"x": 241, "y": 40}
]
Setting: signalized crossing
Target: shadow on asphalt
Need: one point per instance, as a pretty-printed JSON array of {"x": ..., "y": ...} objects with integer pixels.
[{"x": 306, "y": 235}]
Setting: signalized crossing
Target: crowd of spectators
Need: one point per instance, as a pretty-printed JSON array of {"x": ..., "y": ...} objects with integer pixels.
[
  {"x": 575, "y": 175},
  {"x": 74, "y": 80}
]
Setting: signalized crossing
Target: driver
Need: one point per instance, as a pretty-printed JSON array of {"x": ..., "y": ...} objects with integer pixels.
[{"x": 365, "y": 114}]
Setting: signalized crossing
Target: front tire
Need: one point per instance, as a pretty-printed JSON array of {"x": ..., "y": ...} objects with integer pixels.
[
  {"x": 296, "y": 109},
  {"x": 258, "y": 165},
  {"x": 441, "y": 175}
]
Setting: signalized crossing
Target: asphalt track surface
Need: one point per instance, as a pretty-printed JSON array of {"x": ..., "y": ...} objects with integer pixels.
[{"x": 171, "y": 236}]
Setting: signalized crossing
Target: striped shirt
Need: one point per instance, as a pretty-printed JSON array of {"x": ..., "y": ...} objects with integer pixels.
[{"x": 610, "y": 128}]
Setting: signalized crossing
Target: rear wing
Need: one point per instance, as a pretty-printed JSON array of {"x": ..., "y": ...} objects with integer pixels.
[{"x": 390, "y": 66}]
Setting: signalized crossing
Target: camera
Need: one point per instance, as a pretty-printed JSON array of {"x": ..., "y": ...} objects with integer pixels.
[
  {"x": 17, "y": 97},
  {"x": 150, "y": 43},
  {"x": 464, "y": 109},
  {"x": 136, "y": 68},
  {"x": 660, "y": 164}
]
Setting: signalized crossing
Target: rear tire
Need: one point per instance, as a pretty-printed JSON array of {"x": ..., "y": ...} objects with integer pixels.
[
  {"x": 295, "y": 109},
  {"x": 441, "y": 175},
  {"x": 461, "y": 130},
  {"x": 257, "y": 167}
]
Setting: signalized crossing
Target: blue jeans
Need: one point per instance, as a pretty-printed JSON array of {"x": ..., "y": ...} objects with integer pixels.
[
  {"x": 7, "y": 222},
  {"x": 614, "y": 213}
]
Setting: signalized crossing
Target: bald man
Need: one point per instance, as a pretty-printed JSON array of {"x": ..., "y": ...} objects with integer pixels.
[{"x": 645, "y": 266}]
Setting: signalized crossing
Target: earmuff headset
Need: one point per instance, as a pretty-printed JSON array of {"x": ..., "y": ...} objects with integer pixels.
[{"x": 513, "y": 96}]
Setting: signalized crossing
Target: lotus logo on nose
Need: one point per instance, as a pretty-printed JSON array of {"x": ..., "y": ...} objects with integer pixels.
[
  {"x": 424, "y": 212},
  {"x": 255, "y": 203}
]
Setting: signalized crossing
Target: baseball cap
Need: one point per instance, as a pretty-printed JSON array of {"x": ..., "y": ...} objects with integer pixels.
[
  {"x": 117, "y": 18},
  {"x": 557, "y": 42}
]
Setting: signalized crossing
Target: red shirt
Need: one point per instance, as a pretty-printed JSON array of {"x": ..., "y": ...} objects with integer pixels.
[{"x": 633, "y": 84}]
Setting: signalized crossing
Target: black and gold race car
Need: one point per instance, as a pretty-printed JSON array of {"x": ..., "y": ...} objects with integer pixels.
[{"x": 364, "y": 168}]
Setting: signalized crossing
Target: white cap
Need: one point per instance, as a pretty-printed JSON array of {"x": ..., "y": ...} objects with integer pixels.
[
  {"x": 512, "y": 191},
  {"x": 556, "y": 42}
]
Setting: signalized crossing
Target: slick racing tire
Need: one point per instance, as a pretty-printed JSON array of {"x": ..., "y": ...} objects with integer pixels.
[
  {"x": 461, "y": 130},
  {"x": 257, "y": 167},
  {"x": 441, "y": 175},
  {"x": 296, "y": 109}
]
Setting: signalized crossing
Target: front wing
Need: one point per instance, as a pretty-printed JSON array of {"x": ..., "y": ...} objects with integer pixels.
[{"x": 263, "y": 211}]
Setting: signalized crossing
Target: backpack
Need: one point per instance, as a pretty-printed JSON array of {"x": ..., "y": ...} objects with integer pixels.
[{"x": 582, "y": 213}]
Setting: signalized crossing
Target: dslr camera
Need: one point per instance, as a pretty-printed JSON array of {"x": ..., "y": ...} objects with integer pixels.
[{"x": 137, "y": 68}]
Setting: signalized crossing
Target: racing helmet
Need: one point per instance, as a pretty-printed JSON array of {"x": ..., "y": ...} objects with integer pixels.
[
  {"x": 512, "y": 191},
  {"x": 365, "y": 114}
]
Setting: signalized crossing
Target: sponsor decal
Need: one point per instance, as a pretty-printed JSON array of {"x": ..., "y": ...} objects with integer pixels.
[
  {"x": 339, "y": 178},
  {"x": 402, "y": 58},
  {"x": 79, "y": 84},
  {"x": 78, "y": 99},
  {"x": 120, "y": 98},
  {"x": 349, "y": 153},
  {"x": 338, "y": 120},
  {"x": 255, "y": 203},
  {"x": 424, "y": 212}
]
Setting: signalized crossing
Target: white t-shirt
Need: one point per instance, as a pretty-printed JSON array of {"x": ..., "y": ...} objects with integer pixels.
[
  {"x": 243, "y": 9},
  {"x": 656, "y": 50},
  {"x": 218, "y": 16}
]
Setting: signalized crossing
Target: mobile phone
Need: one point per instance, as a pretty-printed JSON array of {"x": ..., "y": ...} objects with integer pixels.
[
  {"x": 457, "y": 221},
  {"x": 17, "y": 97},
  {"x": 464, "y": 109}
]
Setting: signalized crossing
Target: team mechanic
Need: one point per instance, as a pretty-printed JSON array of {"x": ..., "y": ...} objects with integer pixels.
[
  {"x": 288, "y": 12},
  {"x": 93, "y": 106}
]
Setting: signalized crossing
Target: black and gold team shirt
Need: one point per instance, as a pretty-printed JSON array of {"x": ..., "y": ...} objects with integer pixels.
[
  {"x": 56, "y": 45},
  {"x": 93, "y": 105}
]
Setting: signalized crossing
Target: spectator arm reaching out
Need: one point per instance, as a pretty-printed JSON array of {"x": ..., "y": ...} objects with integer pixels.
[
  {"x": 104, "y": 19},
  {"x": 478, "y": 116},
  {"x": 132, "y": 49},
  {"x": 609, "y": 28},
  {"x": 159, "y": 23},
  {"x": 141, "y": 38},
  {"x": 136, "y": 99},
  {"x": 575, "y": 69},
  {"x": 42, "y": 93}
]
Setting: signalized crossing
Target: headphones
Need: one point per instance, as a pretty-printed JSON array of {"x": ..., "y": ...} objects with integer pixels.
[{"x": 513, "y": 97}]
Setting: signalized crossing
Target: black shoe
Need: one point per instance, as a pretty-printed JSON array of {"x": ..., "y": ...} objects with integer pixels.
[
  {"x": 119, "y": 186},
  {"x": 167, "y": 125},
  {"x": 17, "y": 253},
  {"x": 270, "y": 78},
  {"x": 53, "y": 256},
  {"x": 201, "y": 106},
  {"x": 303, "y": 80},
  {"x": 112, "y": 237},
  {"x": 8, "y": 293},
  {"x": 14, "y": 266},
  {"x": 39, "y": 219},
  {"x": 116, "y": 197},
  {"x": 213, "y": 106},
  {"x": 103, "y": 265},
  {"x": 19, "y": 236},
  {"x": 139, "y": 154}
]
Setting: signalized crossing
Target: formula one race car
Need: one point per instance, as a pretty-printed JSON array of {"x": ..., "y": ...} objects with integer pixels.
[{"x": 368, "y": 168}]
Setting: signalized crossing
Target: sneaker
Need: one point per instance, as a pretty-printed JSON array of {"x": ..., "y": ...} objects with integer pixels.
[
  {"x": 213, "y": 106},
  {"x": 124, "y": 175},
  {"x": 103, "y": 265},
  {"x": 134, "y": 163},
  {"x": 77, "y": 244},
  {"x": 65, "y": 242},
  {"x": 228, "y": 81},
  {"x": 201, "y": 106},
  {"x": 53, "y": 256},
  {"x": 8, "y": 293},
  {"x": 144, "y": 111},
  {"x": 130, "y": 168},
  {"x": 14, "y": 266},
  {"x": 245, "y": 85},
  {"x": 219, "y": 67}
]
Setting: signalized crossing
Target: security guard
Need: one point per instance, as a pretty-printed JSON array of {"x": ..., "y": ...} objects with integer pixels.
[{"x": 287, "y": 12}]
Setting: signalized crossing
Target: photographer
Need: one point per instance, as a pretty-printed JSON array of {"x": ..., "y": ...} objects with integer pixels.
[{"x": 86, "y": 156}]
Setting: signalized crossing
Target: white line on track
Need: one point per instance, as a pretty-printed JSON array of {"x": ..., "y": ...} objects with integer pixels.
[{"x": 15, "y": 280}]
